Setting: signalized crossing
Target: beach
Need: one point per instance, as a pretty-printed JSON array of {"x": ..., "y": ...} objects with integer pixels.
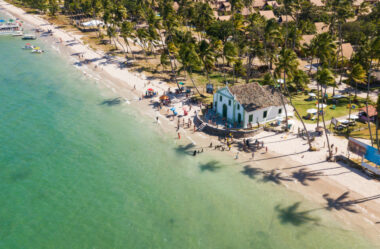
[{"x": 287, "y": 162}]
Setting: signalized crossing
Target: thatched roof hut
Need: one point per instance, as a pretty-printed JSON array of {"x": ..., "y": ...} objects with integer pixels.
[
  {"x": 253, "y": 96},
  {"x": 347, "y": 50},
  {"x": 321, "y": 27},
  {"x": 317, "y": 3},
  {"x": 267, "y": 14},
  {"x": 306, "y": 39}
]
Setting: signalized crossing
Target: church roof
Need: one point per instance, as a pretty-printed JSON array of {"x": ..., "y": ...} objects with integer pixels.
[{"x": 253, "y": 96}]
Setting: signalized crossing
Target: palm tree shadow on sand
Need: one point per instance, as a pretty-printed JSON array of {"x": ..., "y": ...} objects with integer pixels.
[
  {"x": 251, "y": 172},
  {"x": 303, "y": 176},
  {"x": 185, "y": 149},
  {"x": 341, "y": 202},
  {"x": 211, "y": 166},
  {"x": 111, "y": 102},
  {"x": 273, "y": 176},
  {"x": 291, "y": 215}
]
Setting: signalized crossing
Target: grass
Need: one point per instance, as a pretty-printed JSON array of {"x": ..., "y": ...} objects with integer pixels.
[
  {"x": 341, "y": 109},
  {"x": 364, "y": 131}
]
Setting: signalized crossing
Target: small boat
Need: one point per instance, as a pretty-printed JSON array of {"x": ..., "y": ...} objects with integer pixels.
[
  {"x": 10, "y": 28},
  {"x": 28, "y": 46},
  {"x": 37, "y": 50},
  {"x": 18, "y": 33},
  {"x": 29, "y": 37}
]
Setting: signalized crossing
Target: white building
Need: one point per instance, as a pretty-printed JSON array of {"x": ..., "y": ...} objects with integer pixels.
[{"x": 248, "y": 104}]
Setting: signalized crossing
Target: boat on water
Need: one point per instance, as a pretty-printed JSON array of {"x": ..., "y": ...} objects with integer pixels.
[
  {"x": 29, "y": 37},
  {"x": 10, "y": 28},
  {"x": 37, "y": 50},
  {"x": 28, "y": 46}
]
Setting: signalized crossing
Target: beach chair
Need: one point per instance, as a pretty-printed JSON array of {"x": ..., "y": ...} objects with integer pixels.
[{"x": 307, "y": 117}]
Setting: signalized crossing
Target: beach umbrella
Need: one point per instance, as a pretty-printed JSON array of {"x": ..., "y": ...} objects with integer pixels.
[
  {"x": 150, "y": 90},
  {"x": 321, "y": 105},
  {"x": 312, "y": 95},
  {"x": 281, "y": 81},
  {"x": 354, "y": 117},
  {"x": 312, "y": 111},
  {"x": 164, "y": 97},
  {"x": 172, "y": 109},
  {"x": 28, "y": 44},
  {"x": 338, "y": 96},
  {"x": 2, "y": 20},
  {"x": 181, "y": 83},
  {"x": 11, "y": 20}
]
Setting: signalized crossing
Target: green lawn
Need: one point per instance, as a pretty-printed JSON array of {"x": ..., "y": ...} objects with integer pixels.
[
  {"x": 341, "y": 109},
  {"x": 364, "y": 132}
]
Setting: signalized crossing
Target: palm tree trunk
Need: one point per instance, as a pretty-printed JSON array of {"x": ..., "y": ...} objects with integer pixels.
[
  {"x": 224, "y": 71},
  {"x": 311, "y": 64},
  {"x": 191, "y": 78},
  {"x": 171, "y": 62},
  {"x": 208, "y": 76},
  {"x": 366, "y": 101},
  {"x": 341, "y": 51},
  {"x": 377, "y": 132},
  {"x": 299, "y": 117},
  {"x": 324, "y": 127},
  {"x": 349, "y": 112},
  {"x": 249, "y": 65},
  {"x": 318, "y": 100},
  {"x": 356, "y": 90},
  {"x": 286, "y": 114}
]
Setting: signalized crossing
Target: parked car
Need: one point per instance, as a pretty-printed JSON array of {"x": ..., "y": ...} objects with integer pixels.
[{"x": 364, "y": 118}]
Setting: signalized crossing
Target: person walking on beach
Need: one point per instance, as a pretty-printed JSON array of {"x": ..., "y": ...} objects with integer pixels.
[
  {"x": 179, "y": 135},
  {"x": 253, "y": 155},
  {"x": 237, "y": 155},
  {"x": 266, "y": 149}
]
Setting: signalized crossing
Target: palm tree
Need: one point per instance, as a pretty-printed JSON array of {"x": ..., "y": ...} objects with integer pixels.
[
  {"x": 325, "y": 50},
  {"x": 190, "y": 60},
  {"x": 207, "y": 56},
  {"x": 287, "y": 64},
  {"x": 326, "y": 78},
  {"x": 170, "y": 23},
  {"x": 300, "y": 79},
  {"x": 204, "y": 17},
  {"x": 127, "y": 32},
  {"x": 229, "y": 54},
  {"x": 357, "y": 75},
  {"x": 310, "y": 51},
  {"x": 342, "y": 10},
  {"x": 255, "y": 45}
]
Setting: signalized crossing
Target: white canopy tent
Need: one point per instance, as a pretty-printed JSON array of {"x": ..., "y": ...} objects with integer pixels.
[{"x": 92, "y": 23}]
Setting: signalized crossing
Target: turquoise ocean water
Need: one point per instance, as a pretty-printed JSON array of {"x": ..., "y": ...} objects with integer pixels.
[{"x": 78, "y": 174}]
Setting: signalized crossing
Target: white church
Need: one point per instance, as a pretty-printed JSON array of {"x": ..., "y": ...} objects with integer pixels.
[{"x": 249, "y": 104}]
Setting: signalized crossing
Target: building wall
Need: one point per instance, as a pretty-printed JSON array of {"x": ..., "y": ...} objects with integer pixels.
[
  {"x": 258, "y": 115},
  {"x": 226, "y": 97}
]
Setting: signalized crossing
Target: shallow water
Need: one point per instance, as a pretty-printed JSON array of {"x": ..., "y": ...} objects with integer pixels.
[{"x": 76, "y": 173}]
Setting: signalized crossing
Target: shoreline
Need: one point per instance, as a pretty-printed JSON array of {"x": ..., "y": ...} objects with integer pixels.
[{"x": 285, "y": 154}]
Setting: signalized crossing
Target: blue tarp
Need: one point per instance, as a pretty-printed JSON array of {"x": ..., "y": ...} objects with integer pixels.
[{"x": 372, "y": 155}]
